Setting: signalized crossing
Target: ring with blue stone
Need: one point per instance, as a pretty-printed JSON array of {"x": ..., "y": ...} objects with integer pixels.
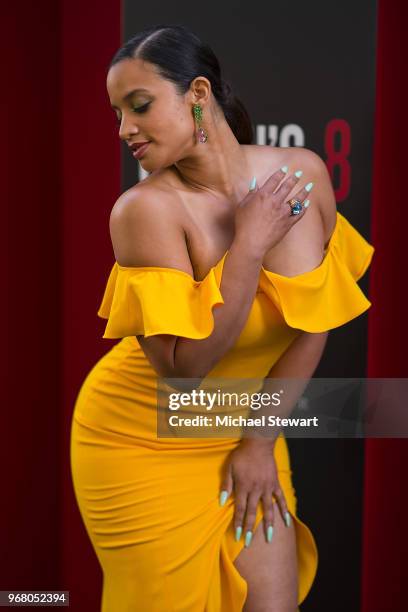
[{"x": 296, "y": 206}]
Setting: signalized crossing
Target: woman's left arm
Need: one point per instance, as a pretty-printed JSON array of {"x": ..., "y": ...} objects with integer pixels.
[
  {"x": 251, "y": 470},
  {"x": 297, "y": 363},
  {"x": 302, "y": 357}
]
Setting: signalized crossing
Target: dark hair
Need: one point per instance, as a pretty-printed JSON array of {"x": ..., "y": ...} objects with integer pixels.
[{"x": 180, "y": 56}]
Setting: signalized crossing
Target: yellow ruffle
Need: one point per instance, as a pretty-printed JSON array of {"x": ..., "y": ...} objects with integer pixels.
[
  {"x": 156, "y": 300},
  {"x": 327, "y": 296}
]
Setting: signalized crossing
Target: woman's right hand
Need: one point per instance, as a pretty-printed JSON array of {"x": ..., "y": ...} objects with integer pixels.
[{"x": 263, "y": 217}]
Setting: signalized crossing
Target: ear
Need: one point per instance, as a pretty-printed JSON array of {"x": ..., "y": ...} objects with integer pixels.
[{"x": 200, "y": 89}]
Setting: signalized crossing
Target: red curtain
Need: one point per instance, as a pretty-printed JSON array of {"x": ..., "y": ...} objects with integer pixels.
[
  {"x": 90, "y": 168},
  {"x": 61, "y": 175},
  {"x": 385, "y": 541},
  {"x": 30, "y": 304}
]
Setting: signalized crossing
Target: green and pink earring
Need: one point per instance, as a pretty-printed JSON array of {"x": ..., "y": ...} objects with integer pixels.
[{"x": 198, "y": 115}]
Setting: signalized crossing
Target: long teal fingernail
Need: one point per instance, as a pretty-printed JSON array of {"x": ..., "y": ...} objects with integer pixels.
[
  {"x": 306, "y": 203},
  {"x": 248, "y": 538},
  {"x": 269, "y": 533},
  {"x": 252, "y": 184},
  {"x": 287, "y": 519},
  {"x": 298, "y": 173},
  {"x": 223, "y": 497},
  {"x": 238, "y": 533},
  {"x": 309, "y": 186},
  {"x": 284, "y": 169}
]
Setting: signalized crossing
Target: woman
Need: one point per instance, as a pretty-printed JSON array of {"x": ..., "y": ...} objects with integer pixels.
[{"x": 221, "y": 270}]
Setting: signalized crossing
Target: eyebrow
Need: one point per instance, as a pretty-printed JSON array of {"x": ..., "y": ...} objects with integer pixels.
[{"x": 131, "y": 93}]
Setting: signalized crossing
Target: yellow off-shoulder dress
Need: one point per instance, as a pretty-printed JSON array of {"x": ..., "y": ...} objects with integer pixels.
[{"x": 150, "y": 504}]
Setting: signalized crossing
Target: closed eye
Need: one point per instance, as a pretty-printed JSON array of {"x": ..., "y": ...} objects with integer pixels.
[
  {"x": 141, "y": 109},
  {"x": 136, "y": 109}
]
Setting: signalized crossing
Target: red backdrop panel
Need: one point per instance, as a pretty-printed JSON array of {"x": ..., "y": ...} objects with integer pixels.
[
  {"x": 90, "y": 157},
  {"x": 30, "y": 304},
  {"x": 385, "y": 541}
]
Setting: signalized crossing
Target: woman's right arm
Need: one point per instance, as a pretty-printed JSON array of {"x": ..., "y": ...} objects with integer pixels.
[
  {"x": 239, "y": 282},
  {"x": 146, "y": 232}
]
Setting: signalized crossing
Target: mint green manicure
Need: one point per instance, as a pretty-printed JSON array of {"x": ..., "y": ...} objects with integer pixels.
[
  {"x": 252, "y": 184},
  {"x": 298, "y": 173},
  {"x": 223, "y": 497},
  {"x": 287, "y": 519},
  {"x": 238, "y": 533},
  {"x": 269, "y": 533},
  {"x": 309, "y": 186},
  {"x": 248, "y": 538},
  {"x": 284, "y": 169},
  {"x": 306, "y": 203}
]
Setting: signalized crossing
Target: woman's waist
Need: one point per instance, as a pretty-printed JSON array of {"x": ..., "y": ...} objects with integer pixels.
[{"x": 126, "y": 363}]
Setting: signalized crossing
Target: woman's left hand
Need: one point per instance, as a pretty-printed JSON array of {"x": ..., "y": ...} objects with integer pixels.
[{"x": 251, "y": 472}]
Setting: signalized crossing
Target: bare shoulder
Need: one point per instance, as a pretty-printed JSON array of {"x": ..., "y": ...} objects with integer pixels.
[
  {"x": 142, "y": 201},
  {"x": 322, "y": 197},
  {"x": 307, "y": 239},
  {"x": 146, "y": 228}
]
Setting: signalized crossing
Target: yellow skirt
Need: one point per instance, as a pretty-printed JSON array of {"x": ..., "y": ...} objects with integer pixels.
[{"x": 151, "y": 505}]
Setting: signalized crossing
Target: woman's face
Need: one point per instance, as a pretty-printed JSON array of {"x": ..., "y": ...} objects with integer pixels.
[{"x": 149, "y": 108}]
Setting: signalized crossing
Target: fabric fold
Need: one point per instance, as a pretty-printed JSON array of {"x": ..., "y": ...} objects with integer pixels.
[
  {"x": 154, "y": 300},
  {"x": 327, "y": 296}
]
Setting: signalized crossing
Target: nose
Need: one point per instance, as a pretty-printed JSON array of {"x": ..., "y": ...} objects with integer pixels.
[{"x": 127, "y": 128}]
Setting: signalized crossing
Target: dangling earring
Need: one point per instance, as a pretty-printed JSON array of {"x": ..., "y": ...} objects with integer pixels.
[{"x": 198, "y": 114}]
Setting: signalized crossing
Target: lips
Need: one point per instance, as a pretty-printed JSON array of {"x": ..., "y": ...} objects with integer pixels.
[
  {"x": 139, "y": 149},
  {"x": 136, "y": 145}
]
